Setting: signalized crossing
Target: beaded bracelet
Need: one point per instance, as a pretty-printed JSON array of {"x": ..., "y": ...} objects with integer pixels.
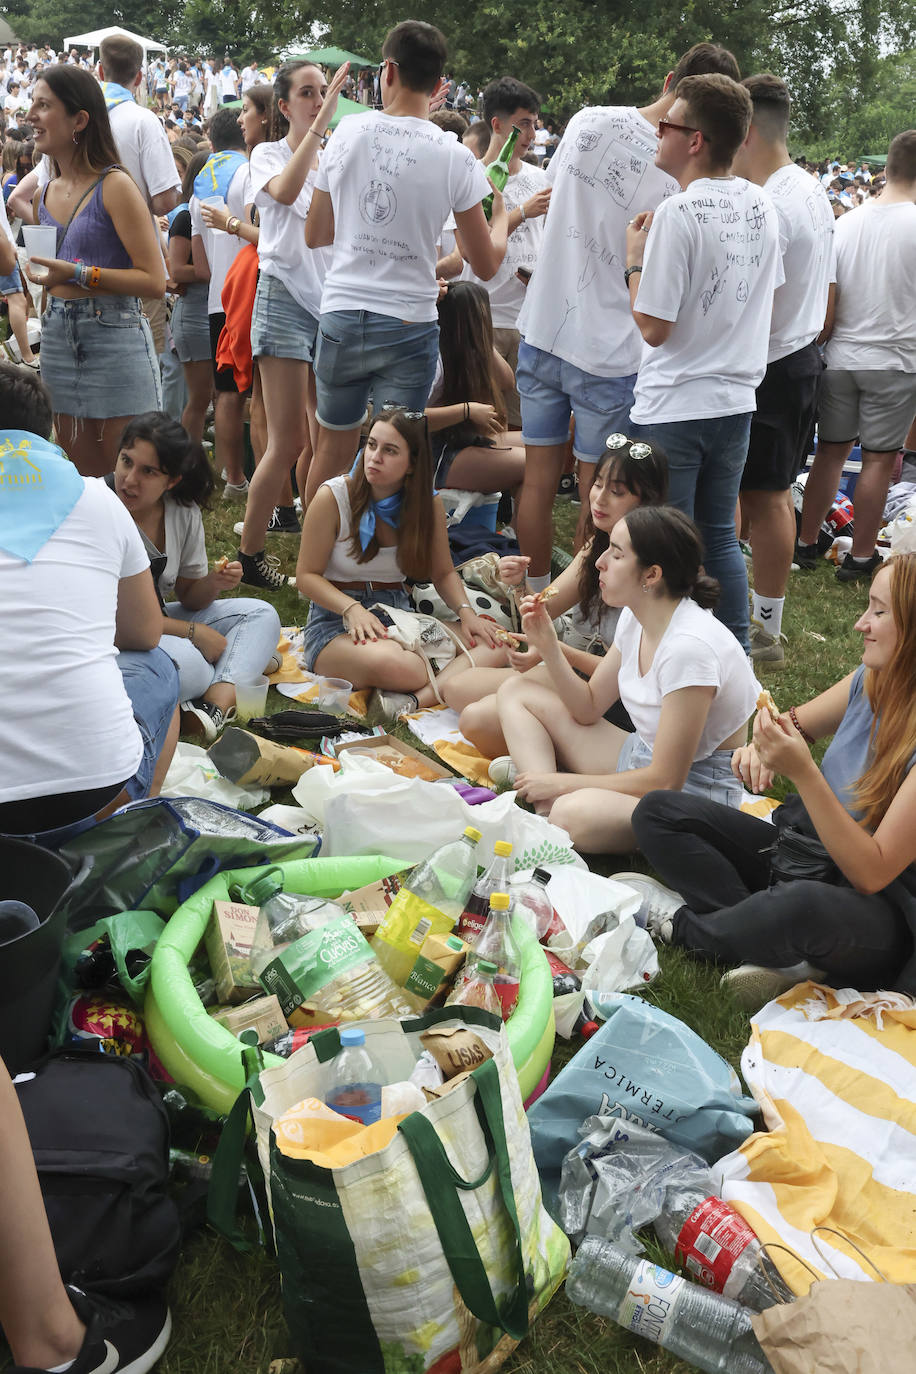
[
  {"x": 191, "y": 630},
  {"x": 809, "y": 739}
]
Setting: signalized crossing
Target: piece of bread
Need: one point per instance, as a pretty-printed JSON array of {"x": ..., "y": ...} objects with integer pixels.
[
  {"x": 221, "y": 563},
  {"x": 765, "y": 702},
  {"x": 546, "y": 595}
]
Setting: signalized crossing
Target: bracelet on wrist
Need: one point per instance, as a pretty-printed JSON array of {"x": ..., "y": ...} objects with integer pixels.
[
  {"x": 463, "y": 606},
  {"x": 347, "y": 609},
  {"x": 809, "y": 739},
  {"x": 192, "y": 630},
  {"x": 524, "y": 213},
  {"x": 233, "y": 225},
  {"x": 467, "y": 411},
  {"x": 628, "y": 272}
]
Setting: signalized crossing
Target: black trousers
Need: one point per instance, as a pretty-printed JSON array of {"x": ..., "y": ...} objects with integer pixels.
[{"x": 712, "y": 855}]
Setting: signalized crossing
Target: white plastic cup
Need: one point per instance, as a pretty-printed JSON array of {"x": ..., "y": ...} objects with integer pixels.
[
  {"x": 251, "y": 698},
  {"x": 334, "y": 695},
  {"x": 40, "y": 242},
  {"x": 215, "y": 203}
]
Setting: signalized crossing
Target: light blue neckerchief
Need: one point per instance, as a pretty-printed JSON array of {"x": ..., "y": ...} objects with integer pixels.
[
  {"x": 39, "y": 487},
  {"x": 177, "y": 211},
  {"x": 215, "y": 176},
  {"x": 115, "y": 95},
  {"x": 389, "y": 508}
]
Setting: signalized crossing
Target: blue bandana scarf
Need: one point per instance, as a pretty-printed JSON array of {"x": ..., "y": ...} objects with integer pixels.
[
  {"x": 214, "y": 177},
  {"x": 389, "y": 508},
  {"x": 115, "y": 95},
  {"x": 39, "y": 487},
  {"x": 173, "y": 214}
]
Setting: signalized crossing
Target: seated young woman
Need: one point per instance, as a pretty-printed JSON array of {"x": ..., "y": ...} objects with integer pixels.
[
  {"x": 363, "y": 534},
  {"x": 472, "y": 449},
  {"x": 163, "y": 477},
  {"x": 855, "y": 925},
  {"x": 681, "y": 675},
  {"x": 630, "y": 474}
]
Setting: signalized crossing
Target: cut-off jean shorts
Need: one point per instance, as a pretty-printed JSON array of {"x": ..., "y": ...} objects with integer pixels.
[
  {"x": 322, "y": 625},
  {"x": 97, "y": 358},
  {"x": 280, "y": 326},
  {"x": 711, "y": 777}
]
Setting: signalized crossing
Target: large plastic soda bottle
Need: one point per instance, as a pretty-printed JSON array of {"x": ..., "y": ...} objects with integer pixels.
[
  {"x": 496, "y": 946},
  {"x": 477, "y": 908},
  {"x": 710, "y": 1332},
  {"x": 354, "y": 1080},
  {"x": 479, "y": 990},
  {"x": 532, "y": 902},
  {"x": 430, "y": 901}
]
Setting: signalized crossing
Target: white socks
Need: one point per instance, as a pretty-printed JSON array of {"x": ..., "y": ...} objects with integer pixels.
[
  {"x": 537, "y": 584},
  {"x": 767, "y": 611}
]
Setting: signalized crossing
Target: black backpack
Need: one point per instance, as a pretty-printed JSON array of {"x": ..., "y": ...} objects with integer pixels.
[{"x": 100, "y": 1138}]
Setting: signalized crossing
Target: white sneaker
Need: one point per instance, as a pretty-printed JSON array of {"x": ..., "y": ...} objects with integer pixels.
[
  {"x": 236, "y": 491},
  {"x": 502, "y": 771},
  {"x": 659, "y": 903},
  {"x": 385, "y": 707},
  {"x": 753, "y": 986},
  {"x": 767, "y": 648}
]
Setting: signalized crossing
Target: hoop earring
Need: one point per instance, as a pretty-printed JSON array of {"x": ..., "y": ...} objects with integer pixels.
[{"x": 76, "y": 142}]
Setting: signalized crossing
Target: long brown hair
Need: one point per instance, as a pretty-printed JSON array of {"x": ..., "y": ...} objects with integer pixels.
[
  {"x": 417, "y": 511},
  {"x": 466, "y": 348},
  {"x": 646, "y": 478},
  {"x": 890, "y": 695},
  {"x": 78, "y": 90},
  {"x": 283, "y": 84}
]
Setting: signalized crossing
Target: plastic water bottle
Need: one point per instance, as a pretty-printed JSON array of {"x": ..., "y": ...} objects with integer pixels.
[
  {"x": 16, "y": 918},
  {"x": 710, "y": 1332},
  {"x": 477, "y": 907},
  {"x": 290, "y": 915},
  {"x": 354, "y": 1081},
  {"x": 532, "y": 902},
  {"x": 429, "y": 903},
  {"x": 445, "y": 879}
]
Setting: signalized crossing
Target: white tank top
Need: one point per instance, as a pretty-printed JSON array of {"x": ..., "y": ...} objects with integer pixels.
[{"x": 342, "y": 566}]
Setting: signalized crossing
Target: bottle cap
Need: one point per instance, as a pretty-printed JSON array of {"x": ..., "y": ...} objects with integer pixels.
[
  {"x": 352, "y": 1036},
  {"x": 453, "y": 942},
  {"x": 484, "y": 966},
  {"x": 541, "y": 875},
  {"x": 499, "y": 901},
  {"x": 472, "y": 834},
  {"x": 503, "y": 848}
]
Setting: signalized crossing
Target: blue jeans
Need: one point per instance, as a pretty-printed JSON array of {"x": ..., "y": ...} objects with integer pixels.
[
  {"x": 705, "y": 462},
  {"x": 551, "y": 389},
  {"x": 252, "y": 631},
  {"x": 361, "y": 354}
]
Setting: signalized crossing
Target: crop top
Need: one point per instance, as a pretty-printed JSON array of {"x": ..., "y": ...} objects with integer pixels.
[
  {"x": 91, "y": 236},
  {"x": 342, "y": 566}
]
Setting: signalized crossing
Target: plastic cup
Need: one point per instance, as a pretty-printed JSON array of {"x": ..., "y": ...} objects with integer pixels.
[
  {"x": 334, "y": 695},
  {"x": 215, "y": 203},
  {"x": 251, "y": 698},
  {"x": 40, "y": 242}
]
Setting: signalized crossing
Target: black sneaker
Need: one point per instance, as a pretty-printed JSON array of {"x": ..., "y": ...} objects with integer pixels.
[
  {"x": 806, "y": 555},
  {"x": 201, "y": 717},
  {"x": 121, "y": 1337},
  {"x": 568, "y": 486},
  {"x": 850, "y": 570},
  {"x": 261, "y": 570},
  {"x": 284, "y": 521}
]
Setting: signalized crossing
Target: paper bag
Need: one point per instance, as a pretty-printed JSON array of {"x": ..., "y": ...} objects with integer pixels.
[
  {"x": 842, "y": 1326},
  {"x": 245, "y": 758}
]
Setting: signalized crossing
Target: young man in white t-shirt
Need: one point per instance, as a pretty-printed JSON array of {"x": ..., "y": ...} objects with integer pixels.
[
  {"x": 786, "y": 399},
  {"x": 579, "y": 348},
  {"x": 384, "y": 189},
  {"x": 869, "y": 388},
  {"x": 701, "y": 272}
]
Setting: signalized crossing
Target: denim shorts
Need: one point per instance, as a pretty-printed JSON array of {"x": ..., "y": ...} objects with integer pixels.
[
  {"x": 360, "y": 355},
  {"x": 97, "y": 358},
  {"x": 191, "y": 325},
  {"x": 151, "y": 681},
  {"x": 711, "y": 777},
  {"x": 280, "y": 326},
  {"x": 553, "y": 389},
  {"x": 322, "y": 625},
  {"x": 11, "y": 284}
]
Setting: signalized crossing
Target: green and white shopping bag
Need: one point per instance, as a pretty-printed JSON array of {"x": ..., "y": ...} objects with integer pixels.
[{"x": 431, "y": 1256}]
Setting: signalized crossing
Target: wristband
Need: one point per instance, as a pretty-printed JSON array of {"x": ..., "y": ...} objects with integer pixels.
[
  {"x": 809, "y": 739},
  {"x": 192, "y": 628},
  {"x": 233, "y": 225},
  {"x": 463, "y": 606},
  {"x": 629, "y": 272}
]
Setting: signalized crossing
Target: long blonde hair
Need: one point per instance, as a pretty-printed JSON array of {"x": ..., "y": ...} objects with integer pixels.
[{"x": 891, "y": 696}]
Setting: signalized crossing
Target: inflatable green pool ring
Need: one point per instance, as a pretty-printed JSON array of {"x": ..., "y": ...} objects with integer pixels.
[{"x": 204, "y": 1056}]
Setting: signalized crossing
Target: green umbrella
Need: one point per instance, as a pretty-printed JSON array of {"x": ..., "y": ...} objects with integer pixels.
[{"x": 333, "y": 57}]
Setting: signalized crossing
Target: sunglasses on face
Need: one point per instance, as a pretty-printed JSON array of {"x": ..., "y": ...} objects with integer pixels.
[
  {"x": 665, "y": 124},
  {"x": 638, "y": 450}
]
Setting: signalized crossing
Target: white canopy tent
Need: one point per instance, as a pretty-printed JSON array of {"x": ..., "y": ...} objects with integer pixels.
[{"x": 92, "y": 40}]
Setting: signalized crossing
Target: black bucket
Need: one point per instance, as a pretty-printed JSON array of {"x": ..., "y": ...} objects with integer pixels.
[{"x": 29, "y": 963}]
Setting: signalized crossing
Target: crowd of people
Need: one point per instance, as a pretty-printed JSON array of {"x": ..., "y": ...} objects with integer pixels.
[{"x": 669, "y": 304}]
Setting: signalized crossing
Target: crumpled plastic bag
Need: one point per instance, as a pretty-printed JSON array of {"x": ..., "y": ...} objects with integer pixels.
[
  {"x": 587, "y": 904},
  {"x": 367, "y": 809},
  {"x": 192, "y": 773}
]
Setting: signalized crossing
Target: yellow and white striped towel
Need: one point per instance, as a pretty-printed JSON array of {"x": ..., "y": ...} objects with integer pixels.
[{"x": 834, "y": 1073}]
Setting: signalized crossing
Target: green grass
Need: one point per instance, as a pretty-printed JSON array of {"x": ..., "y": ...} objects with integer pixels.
[{"x": 227, "y": 1308}]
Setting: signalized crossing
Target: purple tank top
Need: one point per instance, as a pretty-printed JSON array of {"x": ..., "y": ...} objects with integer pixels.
[{"x": 91, "y": 237}]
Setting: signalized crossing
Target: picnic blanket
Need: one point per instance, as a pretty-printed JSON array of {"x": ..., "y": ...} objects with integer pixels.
[{"x": 834, "y": 1073}]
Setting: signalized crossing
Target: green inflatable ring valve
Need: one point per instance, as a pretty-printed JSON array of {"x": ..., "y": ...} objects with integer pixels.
[{"x": 204, "y": 1056}]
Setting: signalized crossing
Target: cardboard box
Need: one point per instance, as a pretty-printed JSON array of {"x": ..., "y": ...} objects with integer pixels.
[
  {"x": 390, "y": 745},
  {"x": 232, "y": 931},
  {"x": 367, "y": 905},
  {"x": 262, "y": 1015}
]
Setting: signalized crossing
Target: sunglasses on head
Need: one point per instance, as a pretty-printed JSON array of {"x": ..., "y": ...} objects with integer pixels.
[
  {"x": 638, "y": 450},
  {"x": 408, "y": 414}
]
